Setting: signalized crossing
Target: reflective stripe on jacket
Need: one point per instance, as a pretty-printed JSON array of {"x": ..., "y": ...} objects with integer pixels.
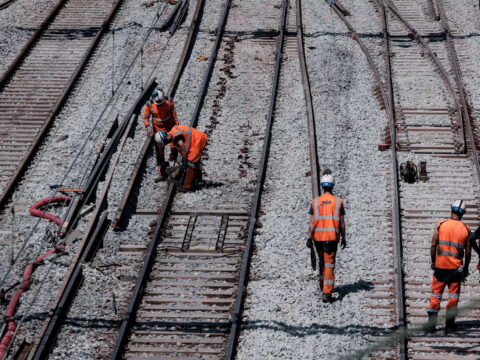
[
  {"x": 326, "y": 217},
  {"x": 452, "y": 240},
  {"x": 194, "y": 143},
  {"x": 163, "y": 116}
]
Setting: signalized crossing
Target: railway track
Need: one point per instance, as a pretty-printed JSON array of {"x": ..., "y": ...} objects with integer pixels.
[
  {"x": 40, "y": 79},
  {"x": 435, "y": 121},
  {"x": 196, "y": 267},
  {"x": 429, "y": 123}
]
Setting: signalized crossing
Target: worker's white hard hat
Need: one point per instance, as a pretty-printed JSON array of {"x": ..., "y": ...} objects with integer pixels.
[
  {"x": 327, "y": 181},
  {"x": 458, "y": 206},
  {"x": 160, "y": 137},
  {"x": 158, "y": 96}
]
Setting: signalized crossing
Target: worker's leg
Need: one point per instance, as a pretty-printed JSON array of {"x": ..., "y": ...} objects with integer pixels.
[
  {"x": 434, "y": 308},
  {"x": 436, "y": 297},
  {"x": 320, "y": 253},
  {"x": 189, "y": 183},
  {"x": 161, "y": 165},
  {"x": 329, "y": 272},
  {"x": 454, "y": 296}
]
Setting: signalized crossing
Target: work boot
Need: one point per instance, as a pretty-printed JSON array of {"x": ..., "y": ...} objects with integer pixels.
[
  {"x": 188, "y": 184},
  {"x": 162, "y": 175},
  {"x": 327, "y": 298},
  {"x": 450, "y": 326},
  {"x": 431, "y": 324}
]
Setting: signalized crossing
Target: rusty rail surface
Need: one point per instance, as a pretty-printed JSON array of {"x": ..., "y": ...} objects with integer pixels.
[
  {"x": 6, "y": 4},
  {"x": 398, "y": 250},
  {"x": 52, "y": 94},
  {"x": 314, "y": 166}
]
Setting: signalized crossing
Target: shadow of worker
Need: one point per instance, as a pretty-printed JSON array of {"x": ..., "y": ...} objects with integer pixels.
[{"x": 360, "y": 285}]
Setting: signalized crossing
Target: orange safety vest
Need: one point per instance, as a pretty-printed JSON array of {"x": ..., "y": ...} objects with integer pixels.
[
  {"x": 326, "y": 217},
  {"x": 194, "y": 143},
  {"x": 164, "y": 116},
  {"x": 452, "y": 240}
]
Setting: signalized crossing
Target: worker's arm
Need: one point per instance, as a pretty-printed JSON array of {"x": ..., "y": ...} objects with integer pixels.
[
  {"x": 468, "y": 256},
  {"x": 433, "y": 247},
  {"x": 310, "y": 228},
  {"x": 179, "y": 145},
  {"x": 342, "y": 232},
  {"x": 146, "y": 120},
  {"x": 472, "y": 239},
  {"x": 174, "y": 114}
]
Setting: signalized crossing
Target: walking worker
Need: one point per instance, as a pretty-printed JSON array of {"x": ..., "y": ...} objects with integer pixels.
[
  {"x": 159, "y": 115},
  {"x": 449, "y": 246},
  {"x": 327, "y": 224},
  {"x": 190, "y": 142}
]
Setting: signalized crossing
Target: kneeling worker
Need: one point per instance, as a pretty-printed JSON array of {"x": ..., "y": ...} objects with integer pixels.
[
  {"x": 161, "y": 110},
  {"x": 449, "y": 241},
  {"x": 190, "y": 142},
  {"x": 327, "y": 223}
]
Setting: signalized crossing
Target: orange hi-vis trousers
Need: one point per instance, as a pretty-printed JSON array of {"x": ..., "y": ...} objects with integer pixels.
[
  {"x": 327, "y": 270},
  {"x": 437, "y": 291}
]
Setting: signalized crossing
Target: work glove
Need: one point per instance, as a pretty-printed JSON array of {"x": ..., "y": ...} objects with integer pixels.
[
  {"x": 149, "y": 131},
  {"x": 432, "y": 266},
  {"x": 465, "y": 274},
  {"x": 343, "y": 243},
  {"x": 309, "y": 243}
]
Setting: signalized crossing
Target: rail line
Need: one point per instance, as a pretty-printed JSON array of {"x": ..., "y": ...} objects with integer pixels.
[
  {"x": 37, "y": 84},
  {"x": 197, "y": 264},
  {"x": 423, "y": 203},
  {"x": 430, "y": 124}
]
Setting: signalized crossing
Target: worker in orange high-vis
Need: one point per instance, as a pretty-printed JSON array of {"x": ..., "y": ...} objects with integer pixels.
[
  {"x": 190, "y": 142},
  {"x": 449, "y": 246},
  {"x": 327, "y": 225},
  {"x": 160, "y": 115}
]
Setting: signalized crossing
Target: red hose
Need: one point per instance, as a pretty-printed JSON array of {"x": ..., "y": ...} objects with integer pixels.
[
  {"x": 36, "y": 211},
  {"x": 29, "y": 269},
  {"x": 12, "y": 305}
]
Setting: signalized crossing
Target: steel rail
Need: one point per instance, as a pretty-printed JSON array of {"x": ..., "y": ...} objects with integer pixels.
[
  {"x": 339, "y": 10},
  {"x": 389, "y": 108},
  {"x": 42, "y": 133},
  {"x": 314, "y": 166},
  {"x": 6, "y": 4},
  {"x": 398, "y": 248},
  {"x": 31, "y": 42},
  {"x": 141, "y": 159},
  {"x": 461, "y": 88},
  {"x": 237, "y": 312},
  {"x": 443, "y": 72},
  {"x": 163, "y": 211}
]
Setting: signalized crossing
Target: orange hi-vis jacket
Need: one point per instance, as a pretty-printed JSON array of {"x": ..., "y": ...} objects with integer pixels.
[
  {"x": 194, "y": 143},
  {"x": 326, "y": 217},
  {"x": 452, "y": 240},
  {"x": 164, "y": 116}
]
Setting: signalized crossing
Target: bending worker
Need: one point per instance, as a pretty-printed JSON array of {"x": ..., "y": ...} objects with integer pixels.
[
  {"x": 190, "y": 142},
  {"x": 326, "y": 225},
  {"x": 161, "y": 110},
  {"x": 449, "y": 241}
]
